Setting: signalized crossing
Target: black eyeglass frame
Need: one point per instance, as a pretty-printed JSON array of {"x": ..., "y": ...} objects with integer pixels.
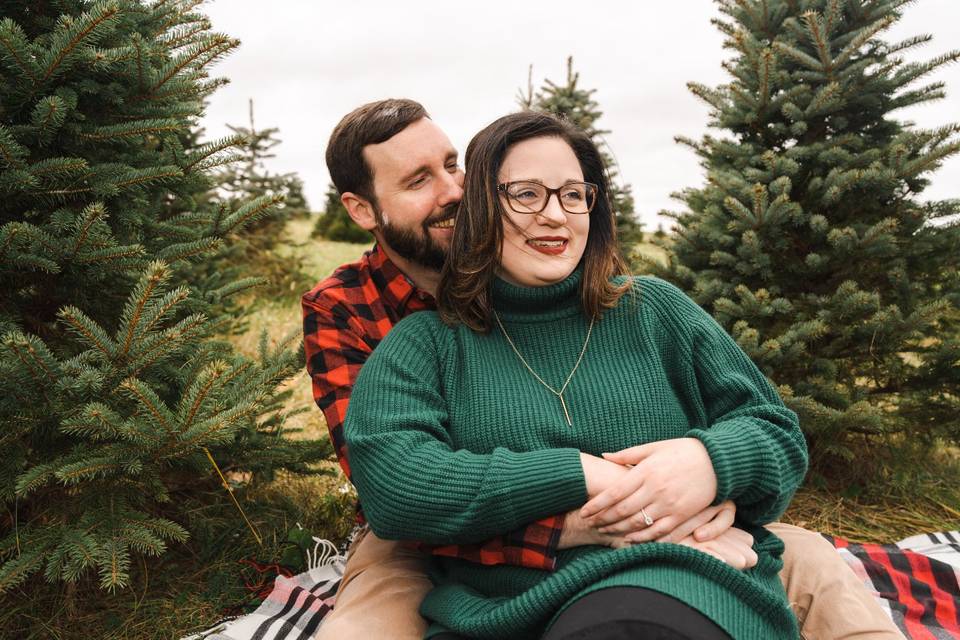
[{"x": 502, "y": 187}]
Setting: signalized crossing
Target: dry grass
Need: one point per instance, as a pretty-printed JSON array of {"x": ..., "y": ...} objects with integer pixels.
[{"x": 881, "y": 521}]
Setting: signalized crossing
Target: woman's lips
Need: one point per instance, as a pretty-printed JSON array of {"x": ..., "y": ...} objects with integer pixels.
[{"x": 549, "y": 246}]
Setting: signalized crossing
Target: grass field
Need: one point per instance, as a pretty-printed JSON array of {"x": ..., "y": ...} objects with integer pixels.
[{"x": 193, "y": 584}]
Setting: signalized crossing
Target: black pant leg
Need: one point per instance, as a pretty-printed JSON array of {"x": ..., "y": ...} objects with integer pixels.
[{"x": 632, "y": 613}]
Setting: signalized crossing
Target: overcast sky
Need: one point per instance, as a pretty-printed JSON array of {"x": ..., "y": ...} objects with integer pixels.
[{"x": 306, "y": 64}]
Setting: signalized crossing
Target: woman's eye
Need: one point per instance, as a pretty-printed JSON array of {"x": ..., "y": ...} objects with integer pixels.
[
  {"x": 573, "y": 194},
  {"x": 528, "y": 194}
]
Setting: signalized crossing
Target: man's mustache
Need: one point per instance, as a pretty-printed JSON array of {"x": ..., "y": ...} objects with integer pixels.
[{"x": 449, "y": 211}]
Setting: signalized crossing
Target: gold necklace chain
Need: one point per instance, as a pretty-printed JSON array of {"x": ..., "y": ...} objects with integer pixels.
[{"x": 559, "y": 394}]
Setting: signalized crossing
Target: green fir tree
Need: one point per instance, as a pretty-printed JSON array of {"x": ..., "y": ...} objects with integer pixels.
[
  {"x": 250, "y": 179},
  {"x": 809, "y": 241},
  {"x": 578, "y": 105},
  {"x": 113, "y": 387}
]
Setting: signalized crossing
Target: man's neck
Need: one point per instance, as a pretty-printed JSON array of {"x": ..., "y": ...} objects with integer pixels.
[{"x": 422, "y": 277}]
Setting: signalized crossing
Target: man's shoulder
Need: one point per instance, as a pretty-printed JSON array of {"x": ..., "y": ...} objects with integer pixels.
[{"x": 343, "y": 285}]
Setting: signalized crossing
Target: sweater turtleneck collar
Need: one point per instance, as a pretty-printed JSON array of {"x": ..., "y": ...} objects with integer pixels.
[{"x": 538, "y": 304}]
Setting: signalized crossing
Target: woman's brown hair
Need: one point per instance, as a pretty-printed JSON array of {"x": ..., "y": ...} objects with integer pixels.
[{"x": 463, "y": 294}]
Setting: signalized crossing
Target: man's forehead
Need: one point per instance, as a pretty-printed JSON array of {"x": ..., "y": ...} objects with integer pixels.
[{"x": 421, "y": 143}]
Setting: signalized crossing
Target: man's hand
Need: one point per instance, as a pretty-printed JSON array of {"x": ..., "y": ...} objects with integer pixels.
[
  {"x": 733, "y": 546},
  {"x": 671, "y": 481},
  {"x": 577, "y": 533}
]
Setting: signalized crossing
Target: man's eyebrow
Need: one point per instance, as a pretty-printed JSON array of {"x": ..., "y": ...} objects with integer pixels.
[
  {"x": 415, "y": 172},
  {"x": 453, "y": 155}
]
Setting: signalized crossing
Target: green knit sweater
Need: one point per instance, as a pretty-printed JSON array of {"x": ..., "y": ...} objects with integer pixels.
[{"x": 451, "y": 440}]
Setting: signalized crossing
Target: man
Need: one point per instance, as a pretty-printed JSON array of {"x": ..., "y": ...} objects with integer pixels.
[{"x": 399, "y": 178}]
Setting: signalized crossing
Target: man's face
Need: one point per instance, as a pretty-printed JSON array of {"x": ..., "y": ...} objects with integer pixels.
[{"x": 418, "y": 185}]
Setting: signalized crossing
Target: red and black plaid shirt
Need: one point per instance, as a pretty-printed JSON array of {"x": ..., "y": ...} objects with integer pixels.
[{"x": 344, "y": 318}]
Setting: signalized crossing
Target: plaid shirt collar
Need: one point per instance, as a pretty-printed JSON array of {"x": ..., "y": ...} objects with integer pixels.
[{"x": 398, "y": 291}]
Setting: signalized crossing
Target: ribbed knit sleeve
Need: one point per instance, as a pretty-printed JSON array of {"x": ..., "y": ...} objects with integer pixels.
[
  {"x": 412, "y": 482},
  {"x": 754, "y": 441}
]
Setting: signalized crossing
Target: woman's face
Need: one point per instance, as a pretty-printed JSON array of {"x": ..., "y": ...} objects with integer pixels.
[{"x": 541, "y": 248}]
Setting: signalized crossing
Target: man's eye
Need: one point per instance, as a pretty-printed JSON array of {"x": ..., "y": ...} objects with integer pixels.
[
  {"x": 418, "y": 181},
  {"x": 453, "y": 168}
]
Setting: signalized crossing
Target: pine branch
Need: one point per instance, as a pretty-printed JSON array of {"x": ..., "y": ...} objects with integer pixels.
[
  {"x": 133, "y": 129},
  {"x": 909, "y": 43},
  {"x": 87, "y": 469},
  {"x": 14, "y": 41},
  {"x": 58, "y": 167},
  {"x": 167, "y": 341},
  {"x": 183, "y": 250},
  {"x": 815, "y": 33},
  {"x": 115, "y": 566},
  {"x": 89, "y": 332},
  {"x": 145, "y": 176},
  {"x": 204, "y": 152},
  {"x": 14, "y": 572},
  {"x": 253, "y": 210},
  {"x": 112, "y": 254},
  {"x": 197, "y": 393},
  {"x": 90, "y": 24},
  {"x": 95, "y": 421},
  {"x": 11, "y": 151},
  {"x": 861, "y": 39},
  {"x": 162, "y": 417},
  {"x": 799, "y": 56},
  {"x": 92, "y": 213},
  {"x": 218, "y": 45},
  {"x": 913, "y": 72},
  {"x": 930, "y": 161},
  {"x": 35, "y": 356},
  {"x": 152, "y": 279}
]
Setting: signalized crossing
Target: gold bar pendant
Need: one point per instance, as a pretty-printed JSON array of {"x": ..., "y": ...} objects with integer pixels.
[{"x": 565, "y": 413}]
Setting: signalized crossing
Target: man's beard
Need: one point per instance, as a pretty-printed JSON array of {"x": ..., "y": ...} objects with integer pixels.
[{"x": 416, "y": 245}]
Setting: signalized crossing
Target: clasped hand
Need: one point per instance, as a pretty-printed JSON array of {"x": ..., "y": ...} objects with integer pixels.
[{"x": 671, "y": 482}]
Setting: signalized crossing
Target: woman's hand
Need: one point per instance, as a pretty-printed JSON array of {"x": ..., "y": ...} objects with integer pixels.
[
  {"x": 601, "y": 475},
  {"x": 706, "y": 525},
  {"x": 671, "y": 481},
  {"x": 734, "y": 547}
]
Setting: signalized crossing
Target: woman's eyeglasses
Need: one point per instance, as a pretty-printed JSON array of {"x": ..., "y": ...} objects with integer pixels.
[{"x": 531, "y": 197}]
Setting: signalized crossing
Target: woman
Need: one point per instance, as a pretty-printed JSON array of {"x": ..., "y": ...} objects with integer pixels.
[{"x": 546, "y": 356}]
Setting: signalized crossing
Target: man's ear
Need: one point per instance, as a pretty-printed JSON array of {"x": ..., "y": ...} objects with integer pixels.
[{"x": 360, "y": 210}]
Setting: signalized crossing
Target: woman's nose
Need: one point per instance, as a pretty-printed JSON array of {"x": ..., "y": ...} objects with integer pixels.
[{"x": 553, "y": 214}]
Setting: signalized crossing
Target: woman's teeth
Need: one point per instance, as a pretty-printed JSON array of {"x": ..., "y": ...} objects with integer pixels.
[{"x": 547, "y": 243}]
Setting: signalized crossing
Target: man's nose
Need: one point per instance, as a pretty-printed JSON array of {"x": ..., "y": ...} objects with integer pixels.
[{"x": 451, "y": 190}]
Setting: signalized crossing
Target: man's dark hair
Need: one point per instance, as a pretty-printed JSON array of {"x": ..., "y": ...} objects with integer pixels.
[{"x": 372, "y": 123}]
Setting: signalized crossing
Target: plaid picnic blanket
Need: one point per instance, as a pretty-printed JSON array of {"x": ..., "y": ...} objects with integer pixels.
[{"x": 917, "y": 581}]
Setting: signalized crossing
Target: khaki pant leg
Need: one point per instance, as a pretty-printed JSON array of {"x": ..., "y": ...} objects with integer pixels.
[
  {"x": 828, "y": 598},
  {"x": 379, "y": 597}
]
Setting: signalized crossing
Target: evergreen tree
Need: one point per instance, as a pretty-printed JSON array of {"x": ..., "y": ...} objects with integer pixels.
[
  {"x": 250, "y": 178},
  {"x": 113, "y": 388},
  {"x": 577, "y": 105},
  {"x": 809, "y": 242},
  {"x": 336, "y": 223}
]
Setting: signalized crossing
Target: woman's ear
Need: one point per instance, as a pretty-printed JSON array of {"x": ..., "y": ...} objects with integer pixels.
[{"x": 360, "y": 210}]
